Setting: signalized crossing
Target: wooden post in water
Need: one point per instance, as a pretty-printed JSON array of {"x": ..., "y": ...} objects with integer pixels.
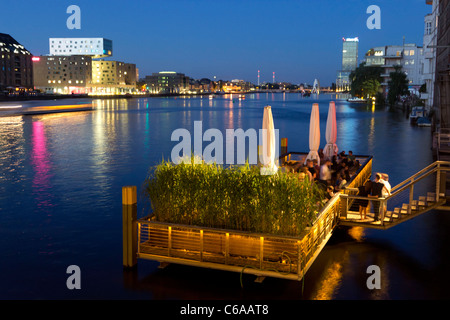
[
  {"x": 284, "y": 145},
  {"x": 129, "y": 217}
]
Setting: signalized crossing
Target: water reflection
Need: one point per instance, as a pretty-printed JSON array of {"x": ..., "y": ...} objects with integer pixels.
[
  {"x": 330, "y": 280},
  {"x": 41, "y": 163},
  {"x": 11, "y": 145},
  {"x": 79, "y": 162}
]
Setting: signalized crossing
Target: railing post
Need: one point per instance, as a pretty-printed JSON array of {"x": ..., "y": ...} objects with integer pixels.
[
  {"x": 261, "y": 252},
  {"x": 201, "y": 245},
  {"x": 343, "y": 207},
  {"x": 300, "y": 259},
  {"x": 227, "y": 247},
  {"x": 443, "y": 177},
  {"x": 438, "y": 181},
  {"x": 129, "y": 232},
  {"x": 411, "y": 196}
]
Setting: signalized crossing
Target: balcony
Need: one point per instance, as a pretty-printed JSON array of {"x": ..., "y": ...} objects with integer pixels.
[{"x": 427, "y": 76}]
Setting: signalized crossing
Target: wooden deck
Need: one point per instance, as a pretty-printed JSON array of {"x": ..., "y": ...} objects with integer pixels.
[{"x": 287, "y": 257}]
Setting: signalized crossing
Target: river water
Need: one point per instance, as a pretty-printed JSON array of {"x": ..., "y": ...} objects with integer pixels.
[{"x": 60, "y": 201}]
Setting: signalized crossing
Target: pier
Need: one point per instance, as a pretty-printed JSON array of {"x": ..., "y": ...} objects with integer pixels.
[
  {"x": 17, "y": 110},
  {"x": 264, "y": 255}
]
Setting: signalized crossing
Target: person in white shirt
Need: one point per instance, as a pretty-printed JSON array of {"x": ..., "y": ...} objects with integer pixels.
[
  {"x": 386, "y": 192},
  {"x": 325, "y": 173}
]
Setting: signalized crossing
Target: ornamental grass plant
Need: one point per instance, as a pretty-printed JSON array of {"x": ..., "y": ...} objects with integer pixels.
[{"x": 235, "y": 197}]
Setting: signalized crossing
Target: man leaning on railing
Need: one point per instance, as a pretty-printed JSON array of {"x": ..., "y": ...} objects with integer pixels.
[{"x": 377, "y": 189}]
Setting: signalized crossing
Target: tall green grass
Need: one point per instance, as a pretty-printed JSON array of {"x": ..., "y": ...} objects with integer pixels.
[{"x": 238, "y": 198}]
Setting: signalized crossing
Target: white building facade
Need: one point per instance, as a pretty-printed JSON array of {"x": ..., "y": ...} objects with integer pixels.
[
  {"x": 95, "y": 47},
  {"x": 429, "y": 47},
  {"x": 409, "y": 56}
]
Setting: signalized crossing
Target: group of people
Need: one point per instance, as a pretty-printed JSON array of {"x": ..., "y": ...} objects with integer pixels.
[
  {"x": 332, "y": 174},
  {"x": 378, "y": 188}
]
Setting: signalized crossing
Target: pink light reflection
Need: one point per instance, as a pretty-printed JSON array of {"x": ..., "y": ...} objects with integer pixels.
[{"x": 41, "y": 165}]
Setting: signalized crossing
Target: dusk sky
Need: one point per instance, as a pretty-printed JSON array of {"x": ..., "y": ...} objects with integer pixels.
[{"x": 299, "y": 40}]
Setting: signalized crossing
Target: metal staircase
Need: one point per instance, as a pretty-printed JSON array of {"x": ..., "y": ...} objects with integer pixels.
[{"x": 403, "y": 204}]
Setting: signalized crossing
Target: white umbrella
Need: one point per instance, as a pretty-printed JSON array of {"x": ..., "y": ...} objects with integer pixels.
[
  {"x": 314, "y": 134},
  {"x": 331, "y": 148},
  {"x": 268, "y": 143}
]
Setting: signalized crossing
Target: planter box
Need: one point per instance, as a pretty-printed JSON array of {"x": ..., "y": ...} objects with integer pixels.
[
  {"x": 247, "y": 252},
  {"x": 258, "y": 254}
]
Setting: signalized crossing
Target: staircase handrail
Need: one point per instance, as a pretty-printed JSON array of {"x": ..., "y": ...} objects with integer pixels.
[{"x": 432, "y": 168}]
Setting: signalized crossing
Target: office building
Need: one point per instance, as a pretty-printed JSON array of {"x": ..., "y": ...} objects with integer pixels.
[
  {"x": 94, "y": 47},
  {"x": 349, "y": 63},
  {"x": 167, "y": 82},
  {"x": 74, "y": 66},
  {"x": 113, "y": 77},
  {"x": 63, "y": 74},
  {"x": 16, "y": 70}
]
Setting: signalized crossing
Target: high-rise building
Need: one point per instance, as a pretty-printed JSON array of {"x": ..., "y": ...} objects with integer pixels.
[
  {"x": 95, "y": 47},
  {"x": 349, "y": 63},
  {"x": 349, "y": 54},
  {"x": 16, "y": 70}
]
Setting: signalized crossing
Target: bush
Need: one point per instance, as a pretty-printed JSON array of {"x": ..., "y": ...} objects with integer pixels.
[{"x": 238, "y": 198}]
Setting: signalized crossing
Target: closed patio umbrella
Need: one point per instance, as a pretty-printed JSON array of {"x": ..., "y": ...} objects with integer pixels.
[
  {"x": 331, "y": 148},
  {"x": 314, "y": 134},
  {"x": 268, "y": 143}
]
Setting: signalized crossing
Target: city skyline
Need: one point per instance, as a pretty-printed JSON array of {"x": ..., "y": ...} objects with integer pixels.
[{"x": 298, "y": 40}]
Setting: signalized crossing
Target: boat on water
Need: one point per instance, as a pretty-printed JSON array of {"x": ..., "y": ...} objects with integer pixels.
[
  {"x": 356, "y": 99},
  {"x": 424, "y": 122},
  {"x": 416, "y": 113}
]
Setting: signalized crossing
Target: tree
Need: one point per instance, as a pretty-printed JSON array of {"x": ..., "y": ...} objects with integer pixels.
[
  {"x": 397, "y": 85},
  {"x": 370, "y": 87},
  {"x": 365, "y": 80}
]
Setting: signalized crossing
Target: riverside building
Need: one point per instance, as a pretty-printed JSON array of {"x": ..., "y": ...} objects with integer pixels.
[
  {"x": 94, "y": 47},
  {"x": 63, "y": 74},
  {"x": 349, "y": 63},
  {"x": 16, "y": 70},
  {"x": 113, "y": 77},
  {"x": 429, "y": 48},
  {"x": 408, "y": 56},
  {"x": 75, "y": 66},
  {"x": 167, "y": 82}
]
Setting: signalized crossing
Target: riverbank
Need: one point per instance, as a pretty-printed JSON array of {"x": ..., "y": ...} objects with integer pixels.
[{"x": 128, "y": 96}]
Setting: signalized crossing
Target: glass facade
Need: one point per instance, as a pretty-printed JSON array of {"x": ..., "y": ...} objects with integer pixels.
[
  {"x": 349, "y": 54},
  {"x": 349, "y": 63}
]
